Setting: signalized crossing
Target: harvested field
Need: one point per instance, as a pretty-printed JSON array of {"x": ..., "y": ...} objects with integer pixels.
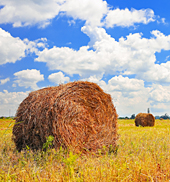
[{"x": 79, "y": 115}]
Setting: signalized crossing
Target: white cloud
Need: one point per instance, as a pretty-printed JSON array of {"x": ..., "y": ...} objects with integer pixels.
[
  {"x": 129, "y": 95},
  {"x": 126, "y": 17},
  {"x": 96, "y": 34},
  {"x": 11, "y": 49},
  {"x": 90, "y": 11},
  {"x": 131, "y": 55},
  {"x": 163, "y": 20},
  {"x": 28, "y": 78},
  {"x": 124, "y": 84},
  {"x": 3, "y": 81},
  {"x": 58, "y": 78},
  {"x": 31, "y": 12},
  {"x": 9, "y": 102},
  {"x": 160, "y": 93},
  {"x": 159, "y": 97},
  {"x": 34, "y": 46},
  {"x": 156, "y": 97},
  {"x": 126, "y": 106},
  {"x": 83, "y": 62},
  {"x": 158, "y": 73}
]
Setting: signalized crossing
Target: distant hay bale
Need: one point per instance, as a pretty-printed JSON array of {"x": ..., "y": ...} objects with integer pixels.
[
  {"x": 144, "y": 119},
  {"x": 79, "y": 115}
]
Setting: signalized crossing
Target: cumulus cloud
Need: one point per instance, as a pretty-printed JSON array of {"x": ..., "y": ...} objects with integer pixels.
[
  {"x": 11, "y": 49},
  {"x": 9, "y": 102},
  {"x": 124, "y": 84},
  {"x": 160, "y": 93},
  {"x": 31, "y": 12},
  {"x": 95, "y": 34},
  {"x": 34, "y": 46},
  {"x": 159, "y": 97},
  {"x": 94, "y": 13},
  {"x": 58, "y": 78},
  {"x": 83, "y": 62},
  {"x": 28, "y": 78},
  {"x": 126, "y": 106},
  {"x": 126, "y": 88},
  {"x": 42, "y": 12},
  {"x": 126, "y": 17},
  {"x": 142, "y": 50},
  {"x": 3, "y": 81},
  {"x": 131, "y": 95},
  {"x": 158, "y": 73},
  {"x": 90, "y": 11},
  {"x": 133, "y": 55}
]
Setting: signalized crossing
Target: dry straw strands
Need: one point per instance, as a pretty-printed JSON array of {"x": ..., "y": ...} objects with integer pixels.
[
  {"x": 78, "y": 114},
  {"x": 144, "y": 119}
]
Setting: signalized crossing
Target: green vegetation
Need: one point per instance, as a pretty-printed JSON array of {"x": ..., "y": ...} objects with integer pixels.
[{"x": 143, "y": 155}]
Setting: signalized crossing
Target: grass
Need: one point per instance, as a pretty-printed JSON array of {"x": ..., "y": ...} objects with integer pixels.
[{"x": 143, "y": 155}]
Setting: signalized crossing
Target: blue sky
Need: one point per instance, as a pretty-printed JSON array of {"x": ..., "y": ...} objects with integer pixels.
[{"x": 123, "y": 46}]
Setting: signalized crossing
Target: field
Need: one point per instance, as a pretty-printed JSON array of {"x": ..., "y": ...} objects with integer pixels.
[{"x": 143, "y": 155}]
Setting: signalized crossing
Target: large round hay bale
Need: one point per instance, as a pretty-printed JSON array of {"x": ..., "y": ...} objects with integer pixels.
[
  {"x": 144, "y": 119},
  {"x": 79, "y": 115}
]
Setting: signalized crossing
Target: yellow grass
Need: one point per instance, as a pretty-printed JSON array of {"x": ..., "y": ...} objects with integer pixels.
[{"x": 143, "y": 155}]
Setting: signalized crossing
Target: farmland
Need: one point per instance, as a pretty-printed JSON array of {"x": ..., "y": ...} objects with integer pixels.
[{"x": 143, "y": 155}]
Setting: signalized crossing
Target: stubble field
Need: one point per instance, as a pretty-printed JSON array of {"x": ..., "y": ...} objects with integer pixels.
[{"x": 143, "y": 155}]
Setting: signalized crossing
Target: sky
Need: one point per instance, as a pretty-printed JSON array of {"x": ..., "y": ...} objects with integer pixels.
[{"x": 122, "y": 45}]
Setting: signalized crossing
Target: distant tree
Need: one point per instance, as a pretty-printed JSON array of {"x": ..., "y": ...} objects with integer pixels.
[
  {"x": 132, "y": 116},
  {"x": 165, "y": 116},
  {"x": 121, "y": 117},
  {"x": 126, "y": 117}
]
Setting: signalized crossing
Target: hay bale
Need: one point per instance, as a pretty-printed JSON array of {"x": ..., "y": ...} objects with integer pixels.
[
  {"x": 77, "y": 114},
  {"x": 144, "y": 119}
]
